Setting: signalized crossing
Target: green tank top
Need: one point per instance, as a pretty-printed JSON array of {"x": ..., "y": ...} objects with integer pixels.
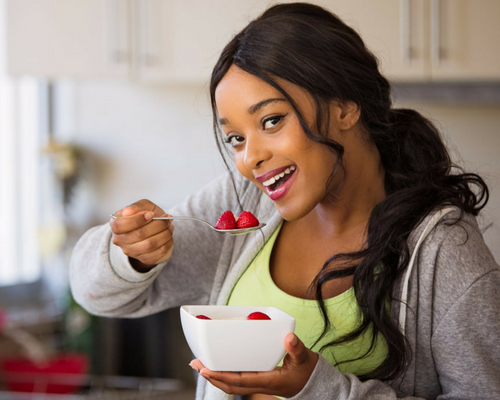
[{"x": 257, "y": 288}]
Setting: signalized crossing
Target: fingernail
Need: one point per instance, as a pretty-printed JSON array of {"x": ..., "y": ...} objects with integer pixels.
[
  {"x": 148, "y": 216},
  {"x": 294, "y": 341},
  {"x": 191, "y": 364}
]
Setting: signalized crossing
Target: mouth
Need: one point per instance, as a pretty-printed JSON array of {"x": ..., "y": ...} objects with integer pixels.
[
  {"x": 279, "y": 184},
  {"x": 279, "y": 179}
]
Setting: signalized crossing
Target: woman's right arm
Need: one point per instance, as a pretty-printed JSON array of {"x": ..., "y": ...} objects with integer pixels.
[{"x": 104, "y": 281}]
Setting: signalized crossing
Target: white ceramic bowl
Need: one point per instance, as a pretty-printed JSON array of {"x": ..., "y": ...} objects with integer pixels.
[{"x": 229, "y": 342}]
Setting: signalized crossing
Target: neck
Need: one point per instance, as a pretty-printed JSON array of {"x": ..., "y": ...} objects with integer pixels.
[{"x": 346, "y": 210}]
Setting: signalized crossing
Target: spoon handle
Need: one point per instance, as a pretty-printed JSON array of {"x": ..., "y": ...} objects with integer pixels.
[
  {"x": 181, "y": 217},
  {"x": 173, "y": 217}
]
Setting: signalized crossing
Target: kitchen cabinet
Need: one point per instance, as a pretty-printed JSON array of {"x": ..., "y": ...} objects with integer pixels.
[
  {"x": 429, "y": 40},
  {"x": 184, "y": 38},
  {"x": 78, "y": 38},
  {"x": 464, "y": 40},
  {"x": 178, "y": 41},
  {"x": 394, "y": 30}
]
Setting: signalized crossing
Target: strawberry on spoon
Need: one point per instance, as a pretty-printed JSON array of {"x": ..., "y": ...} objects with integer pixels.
[
  {"x": 246, "y": 220},
  {"x": 226, "y": 221}
]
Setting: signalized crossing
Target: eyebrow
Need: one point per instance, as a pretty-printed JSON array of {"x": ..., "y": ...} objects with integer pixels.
[{"x": 256, "y": 107}]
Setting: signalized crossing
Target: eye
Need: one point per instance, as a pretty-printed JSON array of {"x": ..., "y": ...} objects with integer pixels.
[
  {"x": 234, "y": 140},
  {"x": 272, "y": 122}
]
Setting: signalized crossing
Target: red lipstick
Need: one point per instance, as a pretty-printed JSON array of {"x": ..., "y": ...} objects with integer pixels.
[
  {"x": 268, "y": 175},
  {"x": 283, "y": 189}
]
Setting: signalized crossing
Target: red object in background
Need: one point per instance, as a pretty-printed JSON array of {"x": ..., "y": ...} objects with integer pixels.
[
  {"x": 2, "y": 320},
  {"x": 59, "y": 375}
]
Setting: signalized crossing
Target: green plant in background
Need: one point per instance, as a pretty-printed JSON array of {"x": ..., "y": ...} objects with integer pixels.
[{"x": 79, "y": 330}]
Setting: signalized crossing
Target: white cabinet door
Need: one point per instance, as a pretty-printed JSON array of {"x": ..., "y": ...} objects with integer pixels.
[
  {"x": 394, "y": 30},
  {"x": 186, "y": 37},
  {"x": 465, "y": 37},
  {"x": 78, "y": 38}
]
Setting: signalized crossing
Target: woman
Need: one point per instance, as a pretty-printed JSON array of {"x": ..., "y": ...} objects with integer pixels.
[{"x": 371, "y": 241}]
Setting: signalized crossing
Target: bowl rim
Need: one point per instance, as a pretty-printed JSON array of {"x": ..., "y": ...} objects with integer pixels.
[{"x": 284, "y": 316}]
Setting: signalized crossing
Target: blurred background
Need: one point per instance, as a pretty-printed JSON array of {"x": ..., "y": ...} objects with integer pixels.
[{"x": 104, "y": 102}]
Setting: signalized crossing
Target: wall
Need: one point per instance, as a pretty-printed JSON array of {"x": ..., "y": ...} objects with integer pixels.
[
  {"x": 139, "y": 143},
  {"x": 157, "y": 143},
  {"x": 472, "y": 134}
]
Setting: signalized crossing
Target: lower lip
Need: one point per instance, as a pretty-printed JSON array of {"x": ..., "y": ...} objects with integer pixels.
[{"x": 282, "y": 190}]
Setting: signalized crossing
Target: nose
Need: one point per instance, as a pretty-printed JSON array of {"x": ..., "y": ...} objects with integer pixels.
[{"x": 256, "y": 152}]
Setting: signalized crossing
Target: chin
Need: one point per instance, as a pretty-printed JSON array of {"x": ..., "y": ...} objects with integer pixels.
[{"x": 291, "y": 212}]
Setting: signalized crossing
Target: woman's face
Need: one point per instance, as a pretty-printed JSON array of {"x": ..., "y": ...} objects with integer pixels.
[{"x": 270, "y": 147}]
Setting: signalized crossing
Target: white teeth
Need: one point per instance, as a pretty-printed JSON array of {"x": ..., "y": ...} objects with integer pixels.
[{"x": 278, "y": 176}]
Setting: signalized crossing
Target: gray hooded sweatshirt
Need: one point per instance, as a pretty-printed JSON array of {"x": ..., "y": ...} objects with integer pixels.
[{"x": 452, "y": 295}]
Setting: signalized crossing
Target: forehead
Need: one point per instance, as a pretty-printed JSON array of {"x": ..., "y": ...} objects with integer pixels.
[
  {"x": 238, "y": 91},
  {"x": 242, "y": 87}
]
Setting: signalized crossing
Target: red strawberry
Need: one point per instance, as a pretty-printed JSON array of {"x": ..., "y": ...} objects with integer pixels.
[
  {"x": 226, "y": 221},
  {"x": 202, "y": 317},
  {"x": 246, "y": 220},
  {"x": 258, "y": 315}
]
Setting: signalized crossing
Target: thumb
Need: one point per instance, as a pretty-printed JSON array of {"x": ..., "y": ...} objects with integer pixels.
[
  {"x": 297, "y": 351},
  {"x": 130, "y": 210}
]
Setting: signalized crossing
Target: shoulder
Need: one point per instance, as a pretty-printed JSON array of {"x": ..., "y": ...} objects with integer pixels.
[
  {"x": 456, "y": 243},
  {"x": 454, "y": 255}
]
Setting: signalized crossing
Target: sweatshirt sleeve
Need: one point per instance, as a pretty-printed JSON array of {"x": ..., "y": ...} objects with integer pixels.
[
  {"x": 328, "y": 383},
  {"x": 465, "y": 344},
  {"x": 103, "y": 281}
]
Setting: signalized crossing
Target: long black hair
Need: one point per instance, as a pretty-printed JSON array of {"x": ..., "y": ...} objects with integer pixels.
[{"x": 310, "y": 47}]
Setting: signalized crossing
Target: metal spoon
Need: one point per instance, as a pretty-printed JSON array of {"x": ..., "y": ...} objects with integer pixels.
[{"x": 239, "y": 231}]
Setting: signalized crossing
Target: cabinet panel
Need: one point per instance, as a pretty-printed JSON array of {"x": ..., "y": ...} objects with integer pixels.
[
  {"x": 465, "y": 40},
  {"x": 63, "y": 38},
  {"x": 190, "y": 34},
  {"x": 394, "y": 30}
]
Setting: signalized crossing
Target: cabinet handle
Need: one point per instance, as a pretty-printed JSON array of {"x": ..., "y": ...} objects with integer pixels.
[
  {"x": 146, "y": 56},
  {"x": 405, "y": 32},
  {"x": 118, "y": 31},
  {"x": 436, "y": 51}
]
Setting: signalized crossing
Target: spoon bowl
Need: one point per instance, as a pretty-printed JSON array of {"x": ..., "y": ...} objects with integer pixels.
[{"x": 239, "y": 231}]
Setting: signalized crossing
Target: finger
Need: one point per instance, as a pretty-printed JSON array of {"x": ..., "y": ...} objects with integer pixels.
[
  {"x": 147, "y": 205},
  {"x": 130, "y": 223},
  {"x": 151, "y": 229},
  {"x": 256, "y": 380},
  {"x": 158, "y": 256},
  {"x": 230, "y": 389},
  {"x": 149, "y": 246},
  {"x": 297, "y": 352},
  {"x": 196, "y": 364}
]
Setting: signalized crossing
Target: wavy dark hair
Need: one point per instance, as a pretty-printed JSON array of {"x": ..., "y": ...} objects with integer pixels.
[{"x": 310, "y": 47}]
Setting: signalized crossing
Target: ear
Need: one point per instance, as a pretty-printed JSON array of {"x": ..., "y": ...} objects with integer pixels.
[{"x": 346, "y": 114}]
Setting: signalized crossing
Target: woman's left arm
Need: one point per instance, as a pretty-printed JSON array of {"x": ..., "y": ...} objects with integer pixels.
[{"x": 466, "y": 345}]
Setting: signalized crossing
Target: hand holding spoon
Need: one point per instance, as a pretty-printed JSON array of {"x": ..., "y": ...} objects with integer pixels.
[{"x": 239, "y": 231}]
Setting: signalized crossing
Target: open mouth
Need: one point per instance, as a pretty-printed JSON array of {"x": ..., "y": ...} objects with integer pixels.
[{"x": 275, "y": 182}]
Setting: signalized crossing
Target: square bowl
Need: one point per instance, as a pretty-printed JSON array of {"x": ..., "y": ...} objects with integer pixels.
[{"x": 230, "y": 342}]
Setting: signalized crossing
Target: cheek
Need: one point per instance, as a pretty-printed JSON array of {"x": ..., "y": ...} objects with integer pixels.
[{"x": 239, "y": 159}]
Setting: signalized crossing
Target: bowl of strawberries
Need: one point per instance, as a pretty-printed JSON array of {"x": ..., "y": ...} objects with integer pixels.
[{"x": 236, "y": 338}]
